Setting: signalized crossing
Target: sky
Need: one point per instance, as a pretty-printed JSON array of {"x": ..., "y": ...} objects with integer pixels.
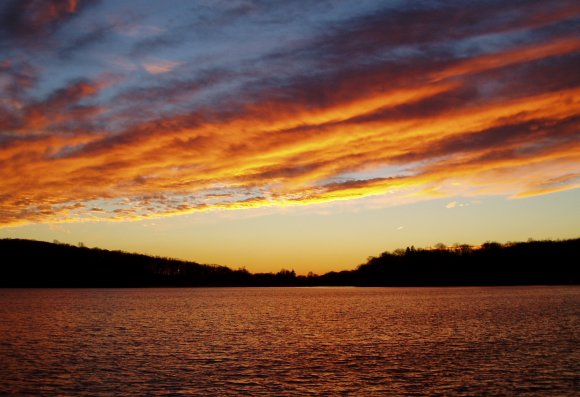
[{"x": 306, "y": 135}]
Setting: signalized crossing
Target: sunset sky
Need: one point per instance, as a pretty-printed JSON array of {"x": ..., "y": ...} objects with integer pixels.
[{"x": 288, "y": 134}]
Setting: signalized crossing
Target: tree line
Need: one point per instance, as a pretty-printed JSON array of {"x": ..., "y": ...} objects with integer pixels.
[{"x": 28, "y": 263}]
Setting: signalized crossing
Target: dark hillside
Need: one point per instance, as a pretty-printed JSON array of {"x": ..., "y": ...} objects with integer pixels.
[{"x": 27, "y": 263}]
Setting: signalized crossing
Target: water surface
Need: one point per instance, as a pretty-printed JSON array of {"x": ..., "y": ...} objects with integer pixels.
[{"x": 291, "y": 341}]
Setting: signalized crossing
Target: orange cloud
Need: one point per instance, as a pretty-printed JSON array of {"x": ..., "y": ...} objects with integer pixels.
[
  {"x": 525, "y": 54},
  {"x": 434, "y": 130}
]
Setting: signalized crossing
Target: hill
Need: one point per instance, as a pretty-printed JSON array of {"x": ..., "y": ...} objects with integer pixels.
[{"x": 28, "y": 263}]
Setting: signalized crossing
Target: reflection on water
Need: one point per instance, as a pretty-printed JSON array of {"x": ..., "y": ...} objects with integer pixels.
[{"x": 291, "y": 341}]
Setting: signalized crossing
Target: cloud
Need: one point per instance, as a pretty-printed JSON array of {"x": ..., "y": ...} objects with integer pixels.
[
  {"x": 160, "y": 66},
  {"x": 59, "y": 108},
  {"x": 94, "y": 36},
  {"x": 33, "y": 20},
  {"x": 452, "y": 204},
  {"x": 398, "y": 117},
  {"x": 138, "y": 30}
]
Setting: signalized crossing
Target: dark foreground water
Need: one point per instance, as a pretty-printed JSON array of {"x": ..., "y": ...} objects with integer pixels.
[{"x": 291, "y": 341}]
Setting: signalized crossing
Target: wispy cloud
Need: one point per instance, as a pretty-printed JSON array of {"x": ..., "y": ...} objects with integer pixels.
[
  {"x": 160, "y": 66},
  {"x": 33, "y": 20},
  {"x": 138, "y": 31},
  {"x": 418, "y": 114}
]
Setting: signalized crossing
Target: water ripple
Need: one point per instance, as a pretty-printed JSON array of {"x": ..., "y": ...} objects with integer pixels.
[{"x": 291, "y": 342}]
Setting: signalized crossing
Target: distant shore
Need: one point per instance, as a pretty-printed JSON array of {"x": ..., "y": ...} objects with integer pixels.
[{"x": 29, "y": 263}]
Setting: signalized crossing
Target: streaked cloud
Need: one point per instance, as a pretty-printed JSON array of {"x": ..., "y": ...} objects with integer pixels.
[
  {"x": 139, "y": 30},
  {"x": 29, "y": 22},
  {"x": 348, "y": 106}
]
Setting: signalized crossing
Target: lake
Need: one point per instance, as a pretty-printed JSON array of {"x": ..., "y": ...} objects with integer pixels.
[{"x": 496, "y": 341}]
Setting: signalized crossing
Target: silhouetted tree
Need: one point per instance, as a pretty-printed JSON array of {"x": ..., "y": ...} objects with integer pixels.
[{"x": 27, "y": 263}]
